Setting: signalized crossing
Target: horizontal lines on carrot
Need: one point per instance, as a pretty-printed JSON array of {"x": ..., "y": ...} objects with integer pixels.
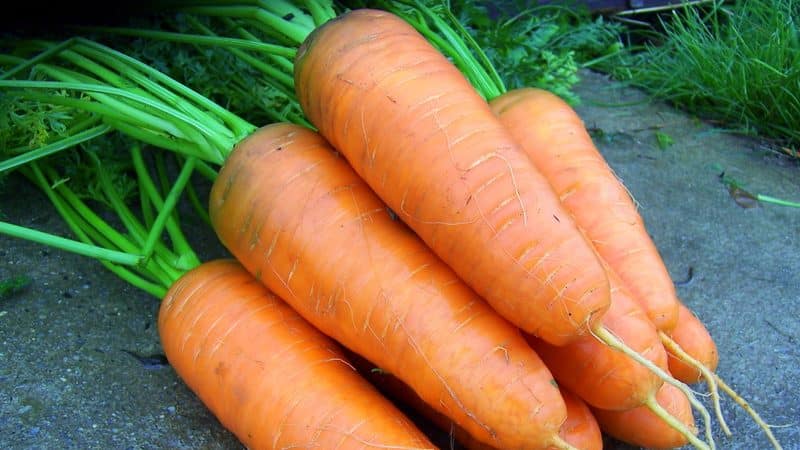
[
  {"x": 269, "y": 376},
  {"x": 366, "y": 280},
  {"x": 416, "y": 131}
]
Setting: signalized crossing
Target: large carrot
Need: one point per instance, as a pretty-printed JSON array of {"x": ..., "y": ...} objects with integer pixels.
[
  {"x": 413, "y": 127},
  {"x": 556, "y": 140},
  {"x": 299, "y": 218},
  {"x": 269, "y": 376},
  {"x": 554, "y": 137}
]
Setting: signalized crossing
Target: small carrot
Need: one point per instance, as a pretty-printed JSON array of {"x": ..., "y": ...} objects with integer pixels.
[
  {"x": 303, "y": 222},
  {"x": 266, "y": 374},
  {"x": 693, "y": 338},
  {"x": 580, "y": 429},
  {"x": 419, "y": 134},
  {"x": 640, "y": 427}
]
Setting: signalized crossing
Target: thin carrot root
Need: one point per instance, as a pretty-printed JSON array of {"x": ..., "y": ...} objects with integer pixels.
[
  {"x": 676, "y": 424},
  {"x": 560, "y": 443},
  {"x": 611, "y": 340},
  {"x": 707, "y": 375},
  {"x": 746, "y": 406},
  {"x": 715, "y": 382}
]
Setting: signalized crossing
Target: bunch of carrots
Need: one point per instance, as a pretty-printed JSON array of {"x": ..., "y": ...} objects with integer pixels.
[{"x": 470, "y": 243}]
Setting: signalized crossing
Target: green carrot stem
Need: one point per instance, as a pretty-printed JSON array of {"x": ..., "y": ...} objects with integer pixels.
[
  {"x": 146, "y": 207},
  {"x": 164, "y": 117},
  {"x": 205, "y": 170},
  {"x": 67, "y": 197},
  {"x": 91, "y": 228},
  {"x": 82, "y": 122},
  {"x": 155, "y": 289},
  {"x": 165, "y": 217},
  {"x": 197, "y": 39},
  {"x": 271, "y": 22},
  {"x": 113, "y": 107},
  {"x": 198, "y": 206},
  {"x": 49, "y": 149},
  {"x": 165, "y": 207},
  {"x": 215, "y": 125},
  {"x": 483, "y": 60},
  {"x": 161, "y": 174},
  {"x": 281, "y": 79},
  {"x": 125, "y": 215},
  {"x": 285, "y": 64},
  {"x": 46, "y": 54},
  {"x": 287, "y": 11},
  {"x": 77, "y": 221},
  {"x": 239, "y": 126},
  {"x": 321, "y": 11},
  {"x": 70, "y": 245},
  {"x": 166, "y": 142},
  {"x": 776, "y": 201}
]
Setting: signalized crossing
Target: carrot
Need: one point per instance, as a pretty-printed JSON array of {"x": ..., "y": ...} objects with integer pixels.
[
  {"x": 270, "y": 377},
  {"x": 693, "y": 337},
  {"x": 600, "y": 375},
  {"x": 299, "y": 219},
  {"x": 416, "y": 131},
  {"x": 555, "y": 139},
  {"x": 580, "y": 429},
  {"x": 611, "y": 380},
  {"x": 693, "y": 355},
  {"x": 642, "y": 428}
]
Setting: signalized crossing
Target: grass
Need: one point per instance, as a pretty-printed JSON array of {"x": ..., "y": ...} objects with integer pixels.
[
  {"x": 737, "y": 64},
  {"x": 539, "y": 46}
]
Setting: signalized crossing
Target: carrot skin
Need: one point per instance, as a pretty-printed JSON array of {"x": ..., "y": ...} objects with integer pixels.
[
  {"x": 418, "y": 133},
  {"x": 580, "y": 429},
  {"x": 553, "y": 135},
  {"x": 266, "y": 374},
  {"x": 693, "y": 337},
  {"x": 298, "y": 218},
  {"x": 640, "y": 427},
  {"x": 600, "y": 375}
]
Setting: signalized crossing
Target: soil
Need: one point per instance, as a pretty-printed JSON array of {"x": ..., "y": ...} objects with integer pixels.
[{"x": 67, "y": 379}]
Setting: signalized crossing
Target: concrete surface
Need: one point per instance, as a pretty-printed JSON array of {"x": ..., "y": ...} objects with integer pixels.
[{"x": 67, "y": 382}]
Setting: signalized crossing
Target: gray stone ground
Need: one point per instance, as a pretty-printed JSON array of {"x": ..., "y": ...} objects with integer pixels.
[{"x": 66, "y": 381}]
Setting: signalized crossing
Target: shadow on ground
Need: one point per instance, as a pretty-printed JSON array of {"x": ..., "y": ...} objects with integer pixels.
[{"x": 68, "y": 381}]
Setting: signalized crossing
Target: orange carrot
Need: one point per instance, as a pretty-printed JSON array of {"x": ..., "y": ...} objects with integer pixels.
[
  {"x": 299, "y": 218},
  {"x": 270, "y": 377},
  {"x": 419, "y": 134},
  {"x": 692, "y": 336},
  {"x": 641, "y": 427},
  {"x": 555, "y": 139},
  {"x": 580, "y": 429},
  {"x": 600, "y": 375}
]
